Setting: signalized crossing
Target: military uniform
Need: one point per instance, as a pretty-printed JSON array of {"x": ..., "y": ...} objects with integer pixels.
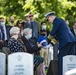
[{"x": 65, "y": 37}]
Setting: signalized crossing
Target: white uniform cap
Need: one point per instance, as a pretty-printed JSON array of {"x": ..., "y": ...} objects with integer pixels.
[{"x": 49, "y": 14}]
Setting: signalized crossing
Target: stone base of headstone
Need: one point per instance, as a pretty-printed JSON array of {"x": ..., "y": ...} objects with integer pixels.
[
  {"x": 53, "y": 68},
  {"x": 71, "y": 72}
]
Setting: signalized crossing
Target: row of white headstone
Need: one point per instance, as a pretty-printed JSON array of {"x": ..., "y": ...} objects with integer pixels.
[
  {"x": 18, "y": 64},
  {"x": 22, "y": 64}
]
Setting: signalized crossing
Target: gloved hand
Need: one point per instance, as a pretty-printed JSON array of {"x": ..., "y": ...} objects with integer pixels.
[
  {"x": 49, "y": 42},
  {"x": 44, "y": 43}
]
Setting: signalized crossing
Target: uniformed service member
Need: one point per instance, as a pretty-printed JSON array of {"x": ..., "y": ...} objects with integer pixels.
[{"x": 64, "y": 35}]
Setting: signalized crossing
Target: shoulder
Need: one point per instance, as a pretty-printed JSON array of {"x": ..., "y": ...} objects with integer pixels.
[
  {"x": 36, "y": 22},
  {"x": 8, "y": 27},
  {"x": 23, "y": 39},
  {"x": 12, "y": 40},
  {"x": 40, "y": 36},
  {"x": 58, "y": 20}
]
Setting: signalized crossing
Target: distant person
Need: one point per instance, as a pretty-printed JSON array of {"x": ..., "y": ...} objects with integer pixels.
[
  {"x": 44, "y": 50},
  {"x": 44, "y": 27},
  {"x": 67, "y": 22},
  {"x": 11, "y": 20},
  {"x": 1, "y": 36},
  {"x": 26, "y": 23},
  {"x": 74, "y": 28},
  {"x": 19, "y": 24},
  {"x": 64, "y": 36},
  {"x": 3, "y": 25},
  {"x": 35, "y": 27},
  {"x": 55, "y": 47}
]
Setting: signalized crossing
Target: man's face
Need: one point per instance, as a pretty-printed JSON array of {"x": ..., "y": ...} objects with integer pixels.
[
  {"x": 12, "y": 19},
  {"x": 50, "y": 19},
  {"x": 2, "y": 20},
  {"x": 31, "y": 16},
  {"x": 27, "y": 18},
  {"x": 74, "y": 24},
  {"x": 44, "y": 24}
]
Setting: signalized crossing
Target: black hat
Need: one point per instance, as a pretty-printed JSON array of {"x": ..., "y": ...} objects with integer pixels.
[{"x": 49, "y": 14}]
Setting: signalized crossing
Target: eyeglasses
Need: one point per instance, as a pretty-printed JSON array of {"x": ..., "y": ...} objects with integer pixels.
[
  {"x": 19, "y": 23},
  {"x": 31, "y": 16}
]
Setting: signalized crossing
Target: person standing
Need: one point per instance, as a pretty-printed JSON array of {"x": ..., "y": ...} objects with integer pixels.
[
  {"x": 3, "y": 25},
  {"x": 43, "y": 35},
  {"x": 26, "y": 23},
  {"x": 64, "y": 36},
  {"x": 11, "y": 20},
  {"x": 44, "y": 27},
  {"x": 19, "y": 24},
  {"x": 44, "y": 50},
  {"x": 1, "y": 37},
  {"x": 35, "y": 27}
]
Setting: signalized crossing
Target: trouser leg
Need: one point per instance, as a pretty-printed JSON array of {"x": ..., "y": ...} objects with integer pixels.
[{"x": 46, "y": 57}]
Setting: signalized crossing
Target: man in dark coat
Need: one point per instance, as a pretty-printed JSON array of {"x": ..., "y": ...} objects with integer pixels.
[
  {"x": 3, "y": 25},
  {"x": 1, "y": 37},
  {"x": 65, "y": 37},
  {"x": 35, "y": 27}
]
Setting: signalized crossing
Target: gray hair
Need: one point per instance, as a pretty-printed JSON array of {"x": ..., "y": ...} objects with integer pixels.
[
  {"x": 26, "y": 30},
  {"x": 14, "y": 30}
]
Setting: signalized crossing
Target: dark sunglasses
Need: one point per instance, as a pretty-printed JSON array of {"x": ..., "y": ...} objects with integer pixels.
[
  {"x": 19, "y": 23},
  {"x": 31, "y": 16}
]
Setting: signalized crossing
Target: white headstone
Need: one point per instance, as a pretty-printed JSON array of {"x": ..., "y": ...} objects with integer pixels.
[
  {"x": 69, "y": 63},
  {"x": 2, "y": 64},
  {"x": 20, "y": 64}
]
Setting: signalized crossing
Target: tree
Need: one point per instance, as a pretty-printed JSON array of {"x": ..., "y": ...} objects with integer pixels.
[{"x": 19, "y": 8}]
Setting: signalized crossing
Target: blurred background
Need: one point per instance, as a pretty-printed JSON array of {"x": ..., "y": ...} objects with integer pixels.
[{"x": 65, "y": 9}]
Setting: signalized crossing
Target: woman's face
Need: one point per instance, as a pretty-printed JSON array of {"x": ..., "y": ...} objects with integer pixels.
[
  {"x": 74, "y": 24},
  {"x": 29, "y": 35},
  {"x": 20, "y": 24}
]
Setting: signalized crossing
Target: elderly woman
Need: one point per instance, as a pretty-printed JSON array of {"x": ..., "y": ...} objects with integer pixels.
[
  {"x": 14, "y": 44},
  {"x": 38, "y": 61}
]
